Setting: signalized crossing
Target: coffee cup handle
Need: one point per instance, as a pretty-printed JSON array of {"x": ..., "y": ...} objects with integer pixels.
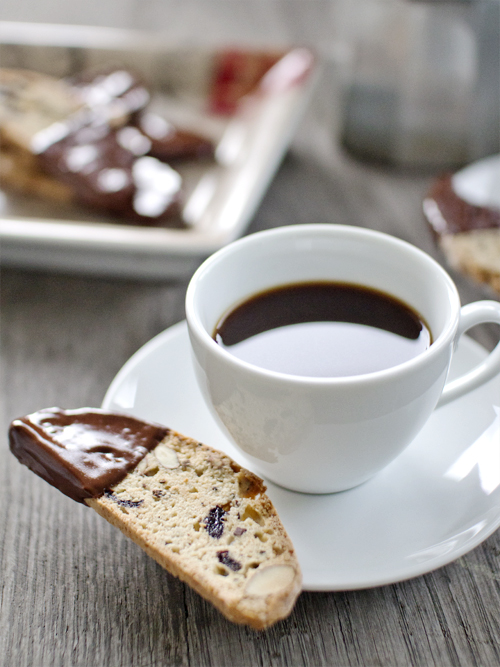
[{"x": 480, "y": 312}]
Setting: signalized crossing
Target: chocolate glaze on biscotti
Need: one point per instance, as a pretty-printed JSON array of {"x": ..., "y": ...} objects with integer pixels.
[
  {"x": 82, "y": 452},
  {"x": 109, "y": 169},
  {"x": 450, "y": 214},
  {"x": 169, "y": 143}
]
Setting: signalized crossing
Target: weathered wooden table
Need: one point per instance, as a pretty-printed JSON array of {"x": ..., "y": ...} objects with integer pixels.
[{"x": 75, "y": 592}]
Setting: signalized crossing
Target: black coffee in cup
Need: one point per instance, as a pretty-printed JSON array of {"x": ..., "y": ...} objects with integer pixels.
[{"x": 323, "y": 329}]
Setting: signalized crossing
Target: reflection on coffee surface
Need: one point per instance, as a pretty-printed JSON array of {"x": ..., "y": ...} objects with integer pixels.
[{"x": 323, "y": 329}]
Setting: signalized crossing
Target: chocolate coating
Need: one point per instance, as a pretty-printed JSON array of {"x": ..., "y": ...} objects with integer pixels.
[
  {"x": 82, "y": 452},
  {"x": 109, "y": 169},
  {"x": 450, "y": 214},
  {"x": 169, "y": 143}
]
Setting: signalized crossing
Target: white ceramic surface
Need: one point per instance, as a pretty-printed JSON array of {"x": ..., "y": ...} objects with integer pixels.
[
  {"x": 438, "y": 500},
  {"x": 221, "y": 197},
  {"x": 479, "y": 182},
  {"x": 325, "y": 434}
]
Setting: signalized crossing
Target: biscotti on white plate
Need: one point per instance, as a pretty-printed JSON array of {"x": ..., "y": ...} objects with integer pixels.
[{"x": 194, "y": 510}]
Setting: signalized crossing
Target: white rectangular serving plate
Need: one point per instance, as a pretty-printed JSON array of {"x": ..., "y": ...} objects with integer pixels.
[{"x": 221, "y": 195}]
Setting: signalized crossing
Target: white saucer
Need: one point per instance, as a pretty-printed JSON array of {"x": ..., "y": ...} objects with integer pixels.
[{"x": 436, "y": 502}]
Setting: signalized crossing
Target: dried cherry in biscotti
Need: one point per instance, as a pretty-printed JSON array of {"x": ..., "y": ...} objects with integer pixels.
[{"x": 214, "y": 522}]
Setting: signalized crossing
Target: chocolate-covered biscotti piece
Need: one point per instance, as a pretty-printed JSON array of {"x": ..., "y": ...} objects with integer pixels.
[
  {"x": 468, "y": 234},
  {"x": 194, "y": 510},
  {"x": 91, "y": 140},
  {"x": 109, "y": 169}
]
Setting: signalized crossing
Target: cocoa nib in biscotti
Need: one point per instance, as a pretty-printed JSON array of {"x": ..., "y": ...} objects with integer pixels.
[
  {"x": 123, "y": 501},
  {"x": 82, "y": 452},
  {"x": 226, "y": 559}
]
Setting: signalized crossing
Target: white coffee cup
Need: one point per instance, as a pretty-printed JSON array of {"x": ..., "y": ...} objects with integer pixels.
[{"x": 317, "y": 434}]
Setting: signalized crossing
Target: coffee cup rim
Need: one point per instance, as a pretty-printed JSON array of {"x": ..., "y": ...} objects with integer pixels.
[{"x": 197, "y": 328}]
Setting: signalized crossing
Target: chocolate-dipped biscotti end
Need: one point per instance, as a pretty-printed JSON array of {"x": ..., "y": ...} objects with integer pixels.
[
  {"x": 467, "y": 233},
  {"x": 193, "y": 509},
  {"x": 82, "y": 452}
]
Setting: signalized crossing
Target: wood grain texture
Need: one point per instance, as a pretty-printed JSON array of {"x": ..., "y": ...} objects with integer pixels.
[{"x": 74, "y": 592}]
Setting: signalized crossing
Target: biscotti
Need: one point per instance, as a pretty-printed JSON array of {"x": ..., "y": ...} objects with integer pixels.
[
  {"x": 93, "y": 141},
  {"x": 468, "y": 234},
  {"x": 194, "y": 510},
  {"x": 475, "y": 254},
  {"x": 31, "y": 102}
]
